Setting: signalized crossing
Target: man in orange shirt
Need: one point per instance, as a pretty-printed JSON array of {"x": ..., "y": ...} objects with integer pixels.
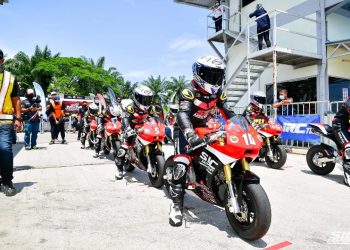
[{"x": 56, "y": 110}]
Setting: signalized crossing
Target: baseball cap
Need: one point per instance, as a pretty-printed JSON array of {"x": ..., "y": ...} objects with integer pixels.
[
  {"x": 30, "y": 91},
  {"x": 53, "y": 93},
  {"x": 1, "y": 54}
]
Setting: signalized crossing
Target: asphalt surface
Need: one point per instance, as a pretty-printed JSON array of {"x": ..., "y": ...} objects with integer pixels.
[{"x": 68, "y": 200}]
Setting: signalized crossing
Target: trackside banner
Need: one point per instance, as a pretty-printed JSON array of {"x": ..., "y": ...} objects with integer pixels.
[{"x": 296, "y": 127}]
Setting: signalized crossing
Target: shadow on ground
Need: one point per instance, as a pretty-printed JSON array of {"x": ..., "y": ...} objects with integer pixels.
[
  {"x": 22, "y": 168},
  {"x": 332, "y": 177},
  {"x": 196, "y": 211},
  {"x": 22, "y": 185}
]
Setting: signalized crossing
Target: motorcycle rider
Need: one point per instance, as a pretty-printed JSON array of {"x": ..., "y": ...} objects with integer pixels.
[
  {"x": 254, "y": 112},
  {"x": 195, "y": 104},
  {"x": 92, "y": 110},
  {"x": 83, "y": 123},
  {"x": 342, "y": 135},
  {"x": 135, "y": 114}
]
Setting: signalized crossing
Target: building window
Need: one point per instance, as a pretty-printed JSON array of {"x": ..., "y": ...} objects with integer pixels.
[
  {"x": 300, "y": 91},
  {"x": 336, "y": 86},
  {"x": 246, "y": 2}
]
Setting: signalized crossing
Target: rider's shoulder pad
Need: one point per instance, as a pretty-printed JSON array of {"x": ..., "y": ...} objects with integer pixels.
[
  {"x": 130, "y": 109},
  {"x": 187, "y": 94}
]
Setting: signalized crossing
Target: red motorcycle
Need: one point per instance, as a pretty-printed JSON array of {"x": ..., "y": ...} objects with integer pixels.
[
  {"x": 146, "y": 151},
  {"x": 111, "y": 138},
  {"x": 273, "y": 151},
  {"x": 92, "y": 136},
  {"x": 220, "y": 174}
]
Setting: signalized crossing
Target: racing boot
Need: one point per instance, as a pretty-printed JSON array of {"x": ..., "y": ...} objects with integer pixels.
[
  {"x": 119, "y": 162},
  {"x": 346, "y": 167},
  {"x": 176, "y": 208}
]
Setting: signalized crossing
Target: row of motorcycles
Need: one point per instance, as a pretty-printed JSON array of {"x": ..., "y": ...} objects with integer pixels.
[{"x": 220, "y": 172}]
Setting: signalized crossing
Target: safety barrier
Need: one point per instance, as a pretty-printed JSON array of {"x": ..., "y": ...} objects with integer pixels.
[{"x": 302, "y": 109}]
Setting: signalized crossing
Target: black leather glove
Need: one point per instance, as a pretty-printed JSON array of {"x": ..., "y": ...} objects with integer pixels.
[{"x": 193, "y": 139}]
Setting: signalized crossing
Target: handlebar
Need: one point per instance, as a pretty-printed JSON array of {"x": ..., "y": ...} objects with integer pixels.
[{"x": 208, "y": 140}]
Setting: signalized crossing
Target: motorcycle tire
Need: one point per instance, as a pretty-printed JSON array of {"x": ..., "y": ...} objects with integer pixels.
[
  {"x": 320, "y": 170},
  {"x": 106, "y": 151},
  {"x": 281, "y": 156},
  {"x": 166, "y": 141},
  {"x": 255, "y": 201},
  {"x": 159, "y": 162}
]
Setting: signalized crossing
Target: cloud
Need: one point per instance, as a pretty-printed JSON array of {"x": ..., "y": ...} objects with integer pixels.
[{"x": 186, "y": 43}]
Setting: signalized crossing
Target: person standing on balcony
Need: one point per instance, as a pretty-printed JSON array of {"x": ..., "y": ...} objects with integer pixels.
[
  {"x": 263, "y": 25},
  {"x": 282, "y": 103},
  {"x": 218, "y": 10}
]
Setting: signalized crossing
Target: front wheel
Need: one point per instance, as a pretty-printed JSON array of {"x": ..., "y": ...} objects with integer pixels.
[
  {"x": 279, "y": 157},
  {"x": 157, "y": 175},
  {"x": 313, "y": 155},
  {"x": 255, "y": 218}
]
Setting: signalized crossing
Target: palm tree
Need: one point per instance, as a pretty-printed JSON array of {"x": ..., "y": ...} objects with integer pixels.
[
  {"x": 177, "y": 83},
  {"x": 157, "y": 85},
  {"x": 100, "y": 63},
  {"x": 22, "y": 65}
]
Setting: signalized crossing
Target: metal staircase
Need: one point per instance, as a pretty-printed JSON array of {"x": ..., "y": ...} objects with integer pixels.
[{"x": 239, "y": 81}]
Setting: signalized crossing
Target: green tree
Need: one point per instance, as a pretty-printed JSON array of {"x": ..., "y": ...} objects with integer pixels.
[
  {"x": 157, "y": 85},
  {"x": 75, "y": 76},
  {"x": 177, "y": 83},
  {"x": 22, "y": 65}
]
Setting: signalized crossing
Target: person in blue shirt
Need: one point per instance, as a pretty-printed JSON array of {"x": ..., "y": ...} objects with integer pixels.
[
  {"x": 31, "y": 116},
  {"x": 263, "y": 25},
  {"x": 282, "y": 103}
]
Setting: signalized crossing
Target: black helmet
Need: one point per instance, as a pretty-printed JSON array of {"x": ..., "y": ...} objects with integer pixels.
[
  {"x": 142, "y": 97},
  {"x": 258, "y": 98}
]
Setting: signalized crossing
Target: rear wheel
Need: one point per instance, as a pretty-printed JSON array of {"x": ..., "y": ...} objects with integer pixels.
[
  {"x": 158, "y": 171},
  {"x": 279, "y": 157},
  {"x": 255, "y": 218},
  {"x": 313, "y": 155}
]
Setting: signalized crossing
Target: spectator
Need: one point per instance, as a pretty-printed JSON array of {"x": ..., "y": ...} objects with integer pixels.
[
  {"x": 51, "y": 119},
  {"x": 10, "y": 110},
  {"x": 56, "y": 110},
  {"x": 263, "y": 25},
  {"x": 31, "y": 117},
  {"x": 218, "y": 10},
  {"x": 74, "y": 123},
  {"x": 282, "y": 103},
  {"x": 81, "y": 115}
]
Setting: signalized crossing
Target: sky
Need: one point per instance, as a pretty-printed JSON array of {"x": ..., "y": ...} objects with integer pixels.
[{"x": 138, "y": 37}]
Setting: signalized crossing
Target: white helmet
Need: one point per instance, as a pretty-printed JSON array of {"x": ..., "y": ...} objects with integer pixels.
[
  {"x": 258, "y": 98},
  {"x": 93, "y": 108},
  {"x": 142, "y": 97},
  {"x": 208, "y": 73}
]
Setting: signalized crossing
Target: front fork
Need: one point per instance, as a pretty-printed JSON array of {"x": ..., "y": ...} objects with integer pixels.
[
  {"x": 269, "y": 150},
  {"x": 150, "y": 168},
  {"x": 233, "y": 203}
]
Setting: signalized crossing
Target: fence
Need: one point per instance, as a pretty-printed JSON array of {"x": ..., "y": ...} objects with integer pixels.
[{"x": 302, "y": 109}]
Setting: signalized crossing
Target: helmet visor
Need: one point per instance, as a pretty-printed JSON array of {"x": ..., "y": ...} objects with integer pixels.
[
  {"x": 212, "y": 76},
  {"x": 260, "y": 99},
  {"x": 143, "y": 100}
]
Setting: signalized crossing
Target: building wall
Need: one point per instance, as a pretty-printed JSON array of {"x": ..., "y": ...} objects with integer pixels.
[{"x": 337, "y": 27}]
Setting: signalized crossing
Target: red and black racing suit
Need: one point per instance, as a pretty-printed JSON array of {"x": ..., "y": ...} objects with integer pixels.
[
  {"x": 341, "y": 132},
  {"x": 255, "y": 115},
  {"x": 195, "y": 109},
  {"x": 134, "y": 119}
]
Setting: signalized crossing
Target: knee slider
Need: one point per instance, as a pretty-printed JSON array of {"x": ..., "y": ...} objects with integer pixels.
[{"x": 179, "y": 171}]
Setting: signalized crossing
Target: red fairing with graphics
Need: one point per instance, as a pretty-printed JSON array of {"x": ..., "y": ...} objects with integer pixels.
[
  {"x": 113, "y": 126},
  {"x": 271, "y": 129},
  {"x": 93, "y": 125},
  {"x": 236, "y": 142},
  {"x": 152, "y": 131}
]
